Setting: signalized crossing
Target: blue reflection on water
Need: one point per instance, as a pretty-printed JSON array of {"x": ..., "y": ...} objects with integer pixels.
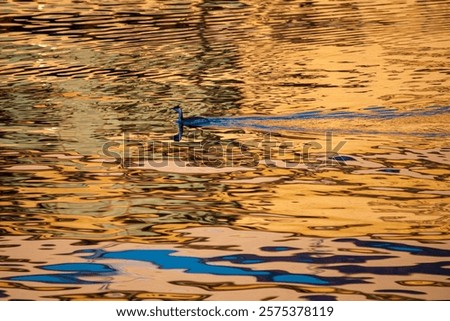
[
  {"x": 435, "y": 268},
  {"x": 319, "y": 297},
  {"x": 414, "y": 250},
  {"x": 346, "y": 265},
  {"x": 60, "y": 278},
  {"x": 2, "y": 294},
  {"x": 315, "y": 258},
  {"x": 165, "y": 260},
  {"x": 277, "y": 248},
  {"x": 79, "y": 270}
]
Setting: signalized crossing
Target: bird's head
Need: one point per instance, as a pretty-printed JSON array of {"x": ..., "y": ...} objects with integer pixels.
[{"x": 178, "y": 109}]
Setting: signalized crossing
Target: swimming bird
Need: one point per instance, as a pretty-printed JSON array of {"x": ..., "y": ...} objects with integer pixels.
[{"x": 190, "y": 121}]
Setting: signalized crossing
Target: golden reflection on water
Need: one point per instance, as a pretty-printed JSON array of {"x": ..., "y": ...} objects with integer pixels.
[{"x": 77, "y": 76}]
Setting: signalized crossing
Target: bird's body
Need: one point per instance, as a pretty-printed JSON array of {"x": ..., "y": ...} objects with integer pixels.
[{"x": 190, "y": 121}]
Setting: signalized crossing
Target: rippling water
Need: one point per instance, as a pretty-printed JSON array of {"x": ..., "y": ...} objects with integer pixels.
[{"x": 348, "y": 203}]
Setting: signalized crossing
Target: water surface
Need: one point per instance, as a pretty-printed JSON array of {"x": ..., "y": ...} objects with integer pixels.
[{"x": 98, "y": 202}]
